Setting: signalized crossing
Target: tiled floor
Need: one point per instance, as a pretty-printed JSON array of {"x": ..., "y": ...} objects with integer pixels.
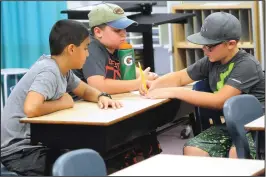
[{"x": 170, "y": 141}]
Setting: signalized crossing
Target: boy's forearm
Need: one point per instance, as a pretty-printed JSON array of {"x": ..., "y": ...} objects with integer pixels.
[
  {"x": 168, "y": 80},
  {"x": 91, "y": 94},
  {"x": 201, "y": 99},
  {"x": 46, "y": 108},
  {"x": 120, "y": 86}
]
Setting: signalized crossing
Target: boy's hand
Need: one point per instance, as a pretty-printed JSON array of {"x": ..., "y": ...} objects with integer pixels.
[
  {"x": 67, "y": 101},
  {"x": 104, "y": 102},
  {"x": 142, "y": 90},
  {"x": 150, "y": 75}
]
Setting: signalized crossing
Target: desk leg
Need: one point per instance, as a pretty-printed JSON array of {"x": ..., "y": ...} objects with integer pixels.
[
  {"x": 2, "y": 100},
  {"x": 259, "y": 144},
  {"x": 148, "y": 53},
  {"x": 16, "y": 79},
  {"x": 5, "y": 88}
]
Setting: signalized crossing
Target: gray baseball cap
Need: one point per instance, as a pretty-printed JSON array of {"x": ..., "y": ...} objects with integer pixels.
[{"x": 216, "y": 28}]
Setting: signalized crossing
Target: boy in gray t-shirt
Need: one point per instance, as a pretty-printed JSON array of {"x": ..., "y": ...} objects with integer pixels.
[
  {"x": 229, "y": 71},
  {"x": 43, "y": 90}
]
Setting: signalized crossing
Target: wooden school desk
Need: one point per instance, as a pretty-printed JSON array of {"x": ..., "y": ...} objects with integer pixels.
[
  {"x": 178, "y": 165},
  {"x": 258, "y": 125},
  {"x": 88, "y": 126}
]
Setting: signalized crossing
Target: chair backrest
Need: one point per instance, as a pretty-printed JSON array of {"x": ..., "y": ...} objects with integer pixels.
[
  {"x": 238, "y": 111},
  {"x": 204, "y": 114},
  {"x": 81, "y": 162},
  {"x": 202, "y": 85}
]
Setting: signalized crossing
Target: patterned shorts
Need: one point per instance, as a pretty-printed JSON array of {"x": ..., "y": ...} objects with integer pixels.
[{"x": 217, "y": 142}]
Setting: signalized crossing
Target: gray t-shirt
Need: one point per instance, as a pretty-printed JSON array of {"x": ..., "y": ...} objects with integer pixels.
[
  {"x": 43, "y": 77},
  {"x": 243, "y": 72}
]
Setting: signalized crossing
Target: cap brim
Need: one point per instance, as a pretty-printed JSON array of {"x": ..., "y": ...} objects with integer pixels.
[
  {"x": 199, "y": 39},
  {"x": 122, "y": 23}
]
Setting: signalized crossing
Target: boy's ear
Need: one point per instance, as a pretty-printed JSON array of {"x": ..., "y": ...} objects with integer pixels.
[
  {"x": 98, "y": 32},
  {"x": 232, "y": 43},
  {"x": 70, "y": 49}
]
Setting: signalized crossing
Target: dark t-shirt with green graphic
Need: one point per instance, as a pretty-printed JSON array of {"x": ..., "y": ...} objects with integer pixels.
[
  {"x": 99, "y": 62},
  {"x": 243, "y": 72}
]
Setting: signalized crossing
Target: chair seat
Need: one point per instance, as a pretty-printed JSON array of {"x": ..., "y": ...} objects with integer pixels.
[{"x": 5, "y": 172}]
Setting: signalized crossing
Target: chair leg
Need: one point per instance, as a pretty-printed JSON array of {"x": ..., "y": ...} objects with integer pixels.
[
  {"x": 195, "y": 124},
  {"x": 5, "y": 88},
  {"x": 2, "y": 103},
  {"x": 185, "y": 133}
]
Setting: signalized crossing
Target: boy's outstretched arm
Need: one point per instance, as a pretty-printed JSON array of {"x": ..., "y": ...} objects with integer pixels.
[
  {"x": 174, "y": 79},
  {"x": 197, "y": 98},
  {"x": 113, "y": 86},
  {"x": 208, "y": 100}
]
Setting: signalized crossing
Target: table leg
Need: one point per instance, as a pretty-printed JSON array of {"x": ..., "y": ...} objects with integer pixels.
[
  {"x": 5, "y": 88},
  {"x": 2, "y": 107},
  {"x": 148, "y": 53},
  {"x": 16, "y": 79}
]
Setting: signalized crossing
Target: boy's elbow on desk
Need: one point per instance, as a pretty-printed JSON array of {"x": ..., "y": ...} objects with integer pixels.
[{"x": 30, "y": 111}]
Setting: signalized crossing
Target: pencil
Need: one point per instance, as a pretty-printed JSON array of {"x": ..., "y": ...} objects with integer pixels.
[{"x": 143, "y": 80}]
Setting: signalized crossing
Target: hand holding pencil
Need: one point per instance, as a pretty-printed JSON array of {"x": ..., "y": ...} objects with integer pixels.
[{"x": 143, "y": 79}]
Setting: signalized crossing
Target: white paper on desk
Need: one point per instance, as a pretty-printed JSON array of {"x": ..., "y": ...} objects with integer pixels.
[{"x": 135, "y": 92}]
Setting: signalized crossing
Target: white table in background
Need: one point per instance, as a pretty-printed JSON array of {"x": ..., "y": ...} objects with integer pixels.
[
  {"x": 178, "y": 165},
  {"x": 7, "y": 72},
  {"x": 256, "y": 125}
]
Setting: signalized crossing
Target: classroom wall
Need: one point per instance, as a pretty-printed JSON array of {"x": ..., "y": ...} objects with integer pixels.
[
  {"x": 25, "y": 28},
  {"x": 75, "y": 4},
  {"x": 25, "y": 32},
  {"x": 166, "y": 30},
  {"x": 261, "y": 21}
]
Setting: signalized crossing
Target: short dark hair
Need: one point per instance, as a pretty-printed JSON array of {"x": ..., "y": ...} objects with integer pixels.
[
  {"x": 102, "y": 26},
  {"x": 65, "y": 32}
]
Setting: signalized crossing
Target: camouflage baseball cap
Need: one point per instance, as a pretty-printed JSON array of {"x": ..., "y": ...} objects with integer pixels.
[
  {"x": 216, "y": 28},
  {"x": 110, "y": 14}
]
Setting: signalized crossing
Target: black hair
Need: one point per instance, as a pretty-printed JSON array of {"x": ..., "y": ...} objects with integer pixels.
[
  {"x": 65, "y": 32},
  {"x": 102, "y": 26}
]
